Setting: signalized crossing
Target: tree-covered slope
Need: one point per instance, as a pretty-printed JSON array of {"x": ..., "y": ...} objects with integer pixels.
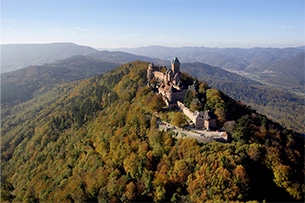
[
  {"x": 286, "y": 73},
  {"x": 24, "y": 84},
  {"x": 279, "y": 105},
  {"x": 98, "y": 140}
]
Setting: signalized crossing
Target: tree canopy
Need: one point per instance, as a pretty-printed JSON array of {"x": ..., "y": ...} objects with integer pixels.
[{"x": 97, "y": 140}]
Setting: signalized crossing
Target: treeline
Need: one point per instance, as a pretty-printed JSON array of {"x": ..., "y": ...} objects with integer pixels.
[
  {"x": 282, "y": 107},
  {"x": 99, "y": 142}
]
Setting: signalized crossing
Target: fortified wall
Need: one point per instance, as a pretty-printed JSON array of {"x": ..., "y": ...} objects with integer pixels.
[
  {"x": 196, "y": 117},
  {"x": 202, "y": 120}
]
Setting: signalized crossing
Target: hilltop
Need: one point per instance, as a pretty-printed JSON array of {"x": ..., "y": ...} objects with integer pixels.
[{"x": 98, "y": 139}]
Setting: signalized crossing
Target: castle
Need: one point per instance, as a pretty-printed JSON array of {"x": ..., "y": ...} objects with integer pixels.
[{"x": 168, "y": 82}]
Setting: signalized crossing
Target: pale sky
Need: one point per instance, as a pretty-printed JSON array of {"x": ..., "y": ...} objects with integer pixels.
[{"x": 135, "y": 23}]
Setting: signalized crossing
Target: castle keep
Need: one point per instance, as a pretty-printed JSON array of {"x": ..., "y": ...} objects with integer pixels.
[{"x": 168, "y": 82}]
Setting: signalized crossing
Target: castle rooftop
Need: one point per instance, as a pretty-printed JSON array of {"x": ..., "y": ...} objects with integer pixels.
[{"x": 175, "y": 61}]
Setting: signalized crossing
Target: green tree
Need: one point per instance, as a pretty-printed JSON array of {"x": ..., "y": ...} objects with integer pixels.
[
  {"x": 156, "y": 103},
  {"x": 243, "y": 129},
  {"x": 179, "y": 119},
  {"x": 202, "y": 87},
  {"x": 188, "y": 98},
  {"x": 195, "y": 105},
  {"x": 213, "y": 97}
]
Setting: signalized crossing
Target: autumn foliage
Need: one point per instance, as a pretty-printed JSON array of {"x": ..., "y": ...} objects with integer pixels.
[{"x": 98, "y": 141}]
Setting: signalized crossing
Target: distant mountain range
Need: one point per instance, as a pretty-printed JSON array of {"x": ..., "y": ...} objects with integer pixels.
[
  {"x": 17, "y": 56},
  {"x": 83, "y": 62},
  {"x": 228, "y": 58},
  {"x": 280, "y": 67}
]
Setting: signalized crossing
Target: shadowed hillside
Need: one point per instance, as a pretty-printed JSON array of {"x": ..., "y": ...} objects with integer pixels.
[
  {"x": 24, "y": 84},
  {"x": 279, "y": 105}
]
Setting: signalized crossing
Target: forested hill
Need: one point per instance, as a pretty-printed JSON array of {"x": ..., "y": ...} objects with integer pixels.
[
  {"x": 24, "y": 84},
  {"x": 97, "y": 140},
  {"x": 278, "y": 104}
]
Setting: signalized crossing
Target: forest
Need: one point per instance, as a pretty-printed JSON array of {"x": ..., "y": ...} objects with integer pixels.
[
  {"x": 97, "y": 140},
  {"x": 278, "y": 104},
  {"x": 24, "y": 84}
]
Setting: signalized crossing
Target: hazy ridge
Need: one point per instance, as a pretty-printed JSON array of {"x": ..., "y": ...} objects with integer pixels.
[{"x": 16, "y": 56}]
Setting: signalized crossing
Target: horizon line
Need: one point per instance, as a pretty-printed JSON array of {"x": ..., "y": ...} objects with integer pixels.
[{"x": 153, "y": 45}]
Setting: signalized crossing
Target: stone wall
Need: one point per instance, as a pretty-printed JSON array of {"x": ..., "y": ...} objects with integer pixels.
[
  {"x": 186, "y": 111},
  {"x": 195, "y": 118},
  {"x": 159, "y": 75}
]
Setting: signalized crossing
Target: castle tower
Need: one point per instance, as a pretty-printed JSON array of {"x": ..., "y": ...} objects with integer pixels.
[
  {"x": 150, "y": 71},
  {"x": 168, "y": 76},
  {"x": 175, "y": 66}
]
